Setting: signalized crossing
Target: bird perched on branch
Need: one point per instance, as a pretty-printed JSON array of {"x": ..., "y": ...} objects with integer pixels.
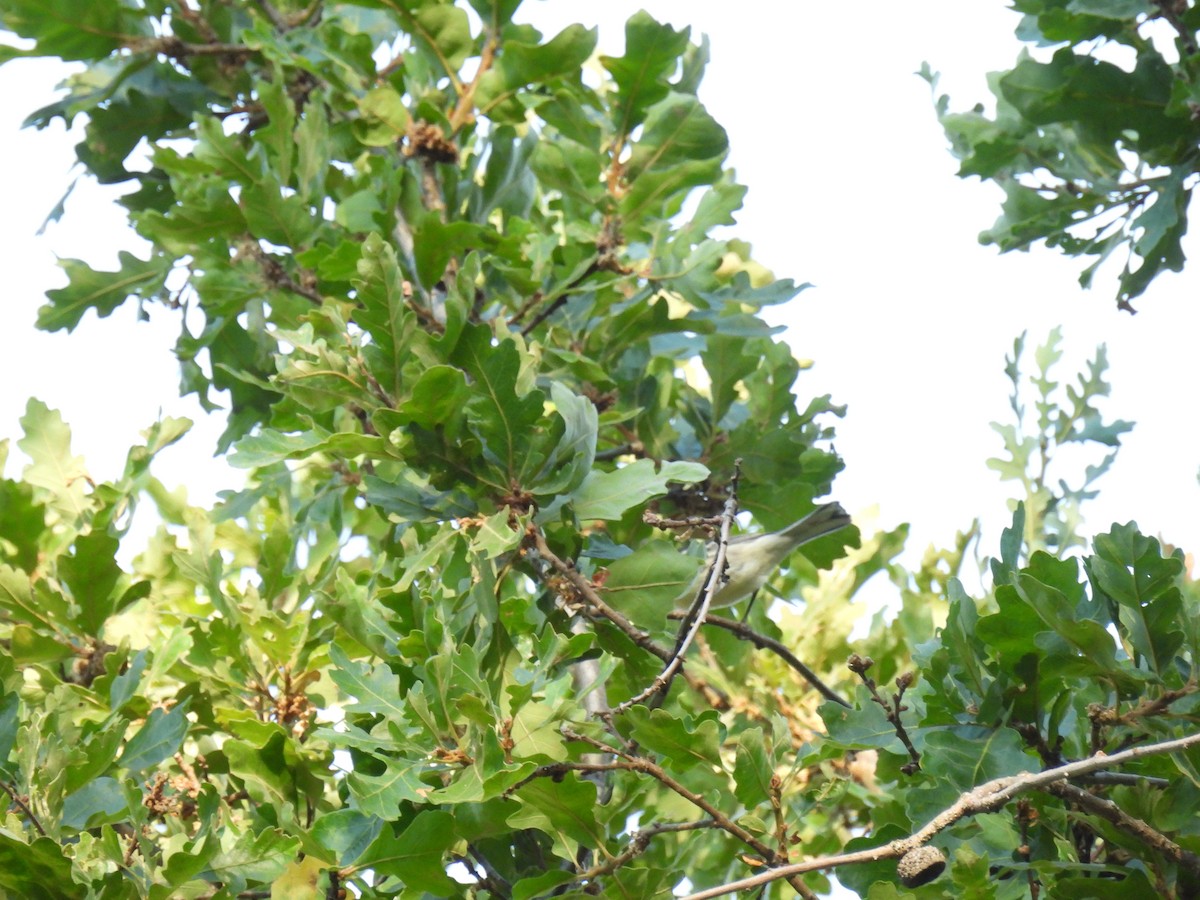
[{"x": 750, "y": 559}]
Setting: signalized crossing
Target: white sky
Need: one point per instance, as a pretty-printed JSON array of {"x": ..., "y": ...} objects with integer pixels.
[{"x": 851, "y": 188}]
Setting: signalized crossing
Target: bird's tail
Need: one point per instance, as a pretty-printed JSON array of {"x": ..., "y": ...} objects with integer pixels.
[{"x": 821, "y": 521}]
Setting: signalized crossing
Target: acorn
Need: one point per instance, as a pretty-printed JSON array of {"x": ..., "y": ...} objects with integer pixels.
[{"x": 920, "y": 866}]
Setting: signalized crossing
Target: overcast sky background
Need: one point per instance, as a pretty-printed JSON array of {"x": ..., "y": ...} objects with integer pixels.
[{"x": 851, "y": 188}]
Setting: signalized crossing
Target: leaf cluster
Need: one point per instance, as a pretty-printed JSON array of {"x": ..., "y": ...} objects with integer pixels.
[{"x": 1093, "y": 135}]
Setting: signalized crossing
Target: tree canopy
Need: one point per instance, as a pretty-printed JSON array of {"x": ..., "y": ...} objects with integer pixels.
[{"x": 455, "y": 287}]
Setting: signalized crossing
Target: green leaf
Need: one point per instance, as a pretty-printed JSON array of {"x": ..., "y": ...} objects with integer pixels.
[
  {"x": 576, "y": 451},
  {"x": 125, "y": 684},
  {"x": 92, "y": 573},
  {"x": 47, "y": 442},
  {"x": 566, "y": 807},
  {"x": 267, "y": 771},
  {"x": 36, "y": 870},
  {"x": 437, "y": 397},
  {"x": 346, "y": 834},
  {"x": 1129, "y": 570},
  {"x": 608, "y": 495},
  {"x": 862, "y": 728},
  {"x": 727, "y": 363},
  {"x": 521, "y": 63},
  {"x": 17, "y": 597},
  {"x": 101, "y": 291},
  {"x": 652, "y": 56},
  {"x": 157, "y": 739},
  {"x": 417, "y": 855},
  {"x": 650, "y": 582},
  {"x": 253, "y": 859},
  {"x": 752, "y": 772},
  {"x": 74, "y": 29},
  {"x": 496, "y": 13},
  {"x": 385, "y": 314},
  {"x": 408, "y": 501},
  {"x": 1077, "y": 88},
  {"x": 382, "y": 795},
  {"x": 447, "y": 30},
  {"x": 281, "y": 217},
  {"x": 97, "y": 803},
  {"x": 496, "y": 536},
  {"x": 501, "y": 412},
  {"x": 10, "y": 708},
  {"x": 677, "y": 130},
  {"x": 270, "y": 446},
  {"x": 22, "y": 524},
  {"x": 1111, "y": 9},
  {"x": 682, "y": 744},
  {"x": 372, "y": 689},
  {"x": 385, "y": 118}
]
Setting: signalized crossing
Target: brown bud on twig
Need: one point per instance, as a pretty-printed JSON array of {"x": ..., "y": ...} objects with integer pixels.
[{"x": 859, "y": 665}]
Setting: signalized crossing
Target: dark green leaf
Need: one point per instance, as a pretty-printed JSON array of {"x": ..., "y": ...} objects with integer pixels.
[
  {"x": 101, "y": 291},
  {"x": 157, "y": 739}
]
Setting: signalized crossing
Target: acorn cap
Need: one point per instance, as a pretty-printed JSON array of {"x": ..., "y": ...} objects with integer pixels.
[{"x": 920, "y": 866}]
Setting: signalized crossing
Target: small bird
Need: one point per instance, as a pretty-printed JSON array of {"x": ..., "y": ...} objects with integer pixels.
[{"x": 752, "y": 558}]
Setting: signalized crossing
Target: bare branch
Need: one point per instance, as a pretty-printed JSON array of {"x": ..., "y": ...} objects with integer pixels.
[
  {"x": 860, "y": 665},
  {"x": 595, "y": 605},
  {"x": 988, "y": 797},
  {"x": 763, "y": 642},
  {"x": 638, "y": 844}
]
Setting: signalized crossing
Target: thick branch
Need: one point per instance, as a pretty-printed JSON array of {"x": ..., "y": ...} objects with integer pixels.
[{"x": 988, "y": 797}]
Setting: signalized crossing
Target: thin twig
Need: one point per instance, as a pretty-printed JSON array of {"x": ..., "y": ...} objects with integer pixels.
[
  {"x": 594, "y": 605},
  {"x": 687, "y": 522},
  {"x": 24, "y": 807},
  {"x": 277, "y": 18},
  {"x": 639, "y": 842},
  {"x": 1168, "y": 10},
  {"x": 631, "y": 763},
  {"x": 988, "y": 797},
  {"x": 197, "y": 21},
  {"x": 492, "y": 879},
  {"x": 464, "y": 109},
  {"x": 174, "y": 48},
  {"x": 561, "y": 298},
  {"x": 627, "y": 449},
  {"x": 763, "y": 642},
  {"x": 860, "y": 665}
]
